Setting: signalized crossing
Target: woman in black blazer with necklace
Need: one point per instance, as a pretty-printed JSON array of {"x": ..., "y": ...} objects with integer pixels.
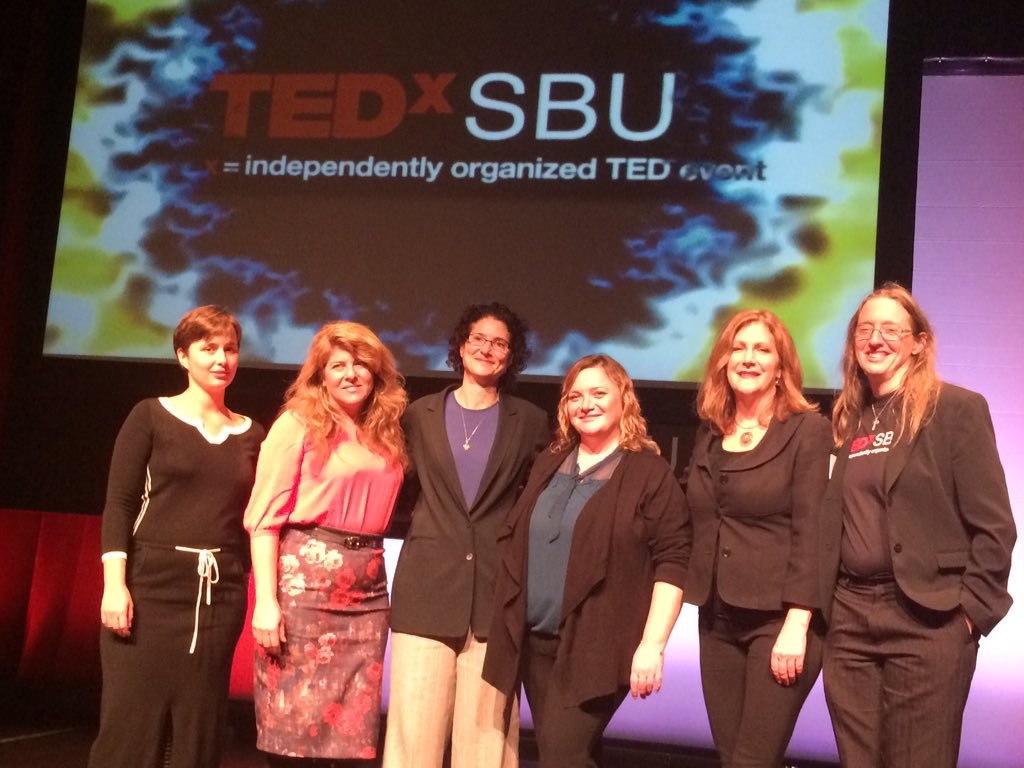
[
  {"x": 916, "y": 535},
  {"x": 754, "y": 488},
  {"x": 471, "y": 448}
]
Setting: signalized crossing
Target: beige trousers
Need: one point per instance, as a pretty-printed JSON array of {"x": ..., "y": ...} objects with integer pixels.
[{"x": 435, "y": 691}]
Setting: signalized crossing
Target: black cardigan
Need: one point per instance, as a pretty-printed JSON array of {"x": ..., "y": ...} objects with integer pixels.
[{"x": 634, "y": 531}]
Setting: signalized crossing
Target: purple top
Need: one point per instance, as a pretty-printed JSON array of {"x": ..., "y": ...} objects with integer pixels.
[{"x": 471, "y": 435}]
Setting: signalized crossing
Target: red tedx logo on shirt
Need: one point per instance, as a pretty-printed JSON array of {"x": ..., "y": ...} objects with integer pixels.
[{"x": 878, "y": 440}]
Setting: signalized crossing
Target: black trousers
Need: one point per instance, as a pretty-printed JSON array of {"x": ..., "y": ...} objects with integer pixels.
[
  {"x": 752, "y": 717},
  {"x": 567, "y": 736},
  {"x": 897, "y": 677}
]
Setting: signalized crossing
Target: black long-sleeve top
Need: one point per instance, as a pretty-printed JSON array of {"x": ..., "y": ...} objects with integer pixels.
[{"x": 172, "y": 484}]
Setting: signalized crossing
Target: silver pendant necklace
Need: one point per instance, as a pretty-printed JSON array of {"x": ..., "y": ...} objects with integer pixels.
[
  {"x": 877, "y": 414},
  {"x": 466, "y": 433}
]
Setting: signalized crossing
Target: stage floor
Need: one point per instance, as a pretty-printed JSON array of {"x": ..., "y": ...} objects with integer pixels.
[
  {"x": 55, "y": 730},
  {"x": 59, "y": 742}
]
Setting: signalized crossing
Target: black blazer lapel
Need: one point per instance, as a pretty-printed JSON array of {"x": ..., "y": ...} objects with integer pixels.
[
  {"x": 702, "y": 449},
  {"x": 435, "y": 435},
  {"x": 505, "y": 440},
  {"x": 774, "y": 441},
  {"x": 772, "y": 444},
  {"x": 896, "y": 462},
  {"x": 832, "y": 504},
  {"x": 588, "y": 564}
]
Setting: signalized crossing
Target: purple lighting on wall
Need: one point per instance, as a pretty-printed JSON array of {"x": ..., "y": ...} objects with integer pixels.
[{"x": 969, "y": 277}]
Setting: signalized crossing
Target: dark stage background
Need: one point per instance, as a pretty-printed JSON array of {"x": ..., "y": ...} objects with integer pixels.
[
  {"x": 59, "y": 415},
  {"x": 44, "y": 81}
]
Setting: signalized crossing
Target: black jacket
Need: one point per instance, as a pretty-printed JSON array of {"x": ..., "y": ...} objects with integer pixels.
[
  {"x": 444, "y": 581},
  {"x": 762, "y": 525},
  {"x": 951, "y": 529}
]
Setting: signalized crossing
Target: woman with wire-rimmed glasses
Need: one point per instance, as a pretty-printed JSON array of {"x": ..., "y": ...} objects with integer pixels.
[
  {"x": 471, "y": 447},
  {"x": 916, "y": 535}
]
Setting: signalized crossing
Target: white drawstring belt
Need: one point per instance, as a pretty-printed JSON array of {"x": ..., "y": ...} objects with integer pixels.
[{"x": 209, "y": 572}]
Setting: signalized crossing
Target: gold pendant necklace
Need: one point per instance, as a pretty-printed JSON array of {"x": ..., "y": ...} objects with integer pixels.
[{"x": 747, "y": 431}]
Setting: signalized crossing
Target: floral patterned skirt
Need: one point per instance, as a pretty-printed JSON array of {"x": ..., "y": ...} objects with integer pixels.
[{"x": 321, "y": 696}]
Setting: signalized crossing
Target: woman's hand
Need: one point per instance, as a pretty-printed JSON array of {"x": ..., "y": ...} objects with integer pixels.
[
  {"x": 268, "y": 625},
  {"x": 645, "y": 674},
  {"x": 787, "y": 659},
  {"x": 649, "y": 657},
  {"x": 267, "y": 622},
  {"x": 116, "y": 609}
]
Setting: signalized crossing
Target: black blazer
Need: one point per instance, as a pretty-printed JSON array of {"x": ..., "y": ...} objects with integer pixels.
[
  {"x": 444, "y": 581},
  {"x": 950, "y": 525},
  {"x": 762, "y": 525}
]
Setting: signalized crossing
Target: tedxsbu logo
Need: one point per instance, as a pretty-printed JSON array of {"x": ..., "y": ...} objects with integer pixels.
[
  {"x": 370, "y": 105},
  {"x": 878, "y": 440}
]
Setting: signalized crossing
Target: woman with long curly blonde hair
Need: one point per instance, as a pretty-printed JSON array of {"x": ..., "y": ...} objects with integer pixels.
[
  {"x": 326, "y": 485},
  {"x": 379, "y": 414}
]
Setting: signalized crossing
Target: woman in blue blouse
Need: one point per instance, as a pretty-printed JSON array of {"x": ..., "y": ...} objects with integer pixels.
[{"x": 593, "y": 562}]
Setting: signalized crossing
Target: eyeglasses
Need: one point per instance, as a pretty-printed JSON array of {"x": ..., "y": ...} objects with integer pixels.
[
  {"x": 887, "y": 332},
  {"x": 478, "y": 341}
]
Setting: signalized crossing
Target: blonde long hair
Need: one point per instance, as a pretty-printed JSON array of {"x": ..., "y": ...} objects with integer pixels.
[
  {"x": 716, "y": 403},
  {"x": 632, "y": 426},
  {"x": 919, "y": 389},
  {"x": 379, "y": 419}
]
